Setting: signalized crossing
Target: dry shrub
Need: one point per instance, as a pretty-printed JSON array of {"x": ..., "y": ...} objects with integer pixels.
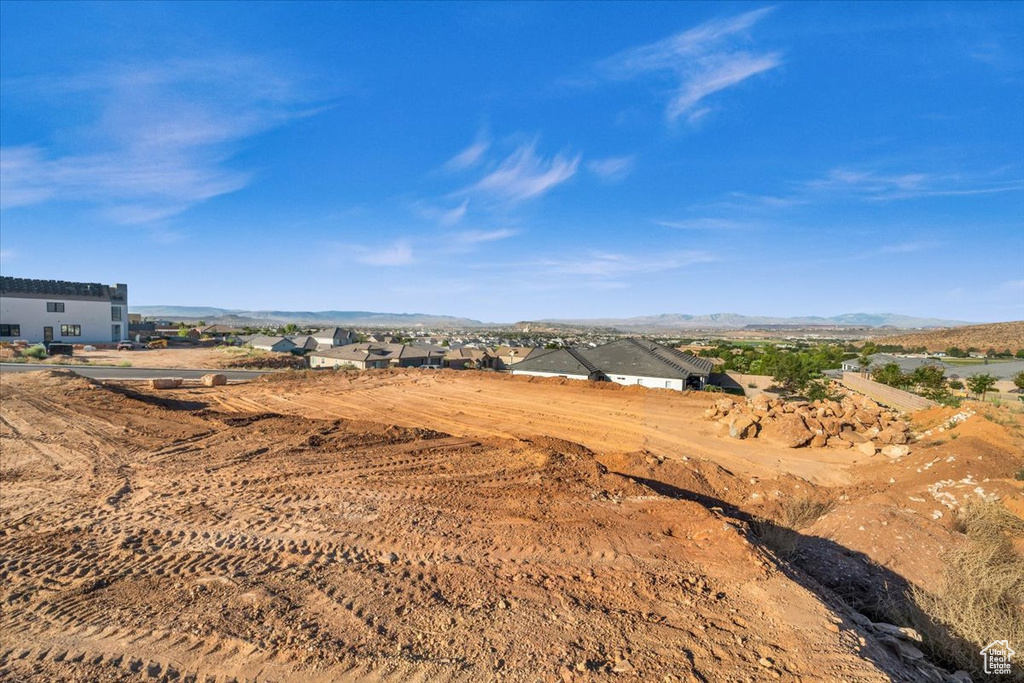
[
  {"x": 794, "y": 514},
  {"x": 800, "y": 513},
  {"x": 981, "y": 597},
  {"x": 779, "y": 539}
]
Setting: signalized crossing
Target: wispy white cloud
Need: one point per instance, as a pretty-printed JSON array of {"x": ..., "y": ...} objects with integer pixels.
[
  {"x": 524, "y": 175},
  {"x": 611, "y": 169},
  {"x": 398, "y": 253},
  {"x": 470, "y": 237},
  {"x": 445, "y": 217},
  {"x": 706, "y": 223},
  {"x": 909, "y": 247},
  {"x": 604, "y": 265},
  {"x": 7, "y": 255},
  {"x": 162, "y": 137},
  {"x": 703, "y": 60},
  {"x": 879, "y": 186},
  {"x": 470, "y": 156}
]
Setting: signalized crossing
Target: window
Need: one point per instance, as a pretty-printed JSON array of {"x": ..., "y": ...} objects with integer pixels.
[
  {"x": 71, "y": 330},
  {"x": 115, "y": 313},
  {"x": 54, "y": 306},
  {"x": 10, "y": 330}
]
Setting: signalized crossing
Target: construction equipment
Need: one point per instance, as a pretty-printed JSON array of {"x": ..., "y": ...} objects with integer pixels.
[{"x": 157, "y": 344}]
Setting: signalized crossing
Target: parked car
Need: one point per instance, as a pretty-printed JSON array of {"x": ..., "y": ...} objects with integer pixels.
[{"x": 126, "y": 346}]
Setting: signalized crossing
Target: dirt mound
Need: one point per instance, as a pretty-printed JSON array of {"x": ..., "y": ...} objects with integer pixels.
[
  {"x": 269, "y": 361},
  {"x": 156, "y": 536}
]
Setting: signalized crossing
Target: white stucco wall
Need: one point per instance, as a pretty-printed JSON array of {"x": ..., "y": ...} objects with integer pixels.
[
  {"x": 93, "y": 316},
  {"x": 651, "y": 382},
  {"x": 629, "y": 380},
  {"x": 546, "y": 374}
]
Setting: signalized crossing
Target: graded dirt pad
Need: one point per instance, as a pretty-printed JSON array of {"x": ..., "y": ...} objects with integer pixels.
[{"x": 163, "y": 536}]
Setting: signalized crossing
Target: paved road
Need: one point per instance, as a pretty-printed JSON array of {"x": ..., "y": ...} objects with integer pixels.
[{"x": 97, "y": 372}]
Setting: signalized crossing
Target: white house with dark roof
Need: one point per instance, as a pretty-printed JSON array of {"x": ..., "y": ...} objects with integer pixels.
[
  {"x": 624, "y": 361},
  {"x": 59, "y": 311},
  {"x": 330, "y": 337},
  {"x": 266, "y": 343}
]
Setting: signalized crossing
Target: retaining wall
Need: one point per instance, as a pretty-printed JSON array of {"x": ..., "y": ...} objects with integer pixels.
[{"x": 888, "y": 396}]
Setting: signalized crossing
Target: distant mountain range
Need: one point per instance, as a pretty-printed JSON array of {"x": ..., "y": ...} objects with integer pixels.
[
  {"x": 678, "y": 321},
  {"x": 352, "y": 318},
  {"x": 663, "y": 322}
]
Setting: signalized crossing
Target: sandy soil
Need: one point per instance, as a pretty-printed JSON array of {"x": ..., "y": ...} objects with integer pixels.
[
  {"x": 415, "y": 525},
  {"x": 605, "y": 417}
]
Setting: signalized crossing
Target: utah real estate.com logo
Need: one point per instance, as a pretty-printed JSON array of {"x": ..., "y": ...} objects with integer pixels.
[{"x": 997, "y": 656}]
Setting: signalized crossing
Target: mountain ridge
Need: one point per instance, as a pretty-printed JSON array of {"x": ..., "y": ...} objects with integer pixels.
[{"x": 663, "y": 321}]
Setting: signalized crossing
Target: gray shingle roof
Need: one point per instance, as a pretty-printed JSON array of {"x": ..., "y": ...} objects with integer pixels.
[
  {"x": 621, "y": 357},
  {"x": 556, "y": 361}
]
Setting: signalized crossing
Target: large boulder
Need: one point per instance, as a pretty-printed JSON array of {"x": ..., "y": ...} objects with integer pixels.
[
  {"x": 831, "y": 426},
  {"x": 761, "y": 402},
  {"x": 853, "y": 437},
  {"x": 788, "y": 430},
  {"x": 819, "y": 441},
  {"x": 867, "y": 448},
  {"x": 891, "y": 435},
  {"x": 742, "y": 427},
  {"x": 214, "y": 379},
  {"x": 165, "y": 383},
  {"x": 895, "y": 451}
]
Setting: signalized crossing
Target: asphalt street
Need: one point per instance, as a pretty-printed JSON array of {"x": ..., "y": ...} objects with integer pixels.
[{"x": 100, "y": 372}]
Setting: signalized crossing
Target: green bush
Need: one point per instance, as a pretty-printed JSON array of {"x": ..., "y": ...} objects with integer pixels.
[{"x": 38, "y": 351}]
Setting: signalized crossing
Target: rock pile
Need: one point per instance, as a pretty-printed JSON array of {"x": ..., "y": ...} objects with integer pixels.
[{"x": 853, "y": 422}]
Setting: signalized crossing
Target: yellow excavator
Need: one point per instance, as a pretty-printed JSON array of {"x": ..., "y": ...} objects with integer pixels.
[{"x": 157, "y": 344}]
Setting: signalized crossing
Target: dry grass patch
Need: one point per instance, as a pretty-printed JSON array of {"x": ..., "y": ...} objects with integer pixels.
[
  {"x": 780, "y": 533},
  {"x": 981, "y": 597}
]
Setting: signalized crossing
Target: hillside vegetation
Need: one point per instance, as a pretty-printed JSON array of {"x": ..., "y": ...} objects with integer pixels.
[{"x": 999, "y": 336}]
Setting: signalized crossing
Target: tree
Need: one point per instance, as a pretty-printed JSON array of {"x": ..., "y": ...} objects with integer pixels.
[
  {"x": 1018, "y": 380},
  {"x": 891, "y": 375},
  {"x": 929, "y": 377},
  {"x": 1020, "y": 353},
  {"x": 981, "y": 384},
  {"x": 956, "y": 352},
  {"x": 865, "y": 362},
  {"x": 956, "y": 384},
  {"x": 790, "y": 372},
  {"x": 291, "y": 328},
  {"x": 182, "y": 330}
]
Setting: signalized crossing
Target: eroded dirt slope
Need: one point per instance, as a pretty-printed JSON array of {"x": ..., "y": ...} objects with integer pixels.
[{"x": 156, "y": 536}]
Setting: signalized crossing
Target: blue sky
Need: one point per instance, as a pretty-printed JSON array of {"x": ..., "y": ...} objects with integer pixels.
[{"x": 520, "y": 161}]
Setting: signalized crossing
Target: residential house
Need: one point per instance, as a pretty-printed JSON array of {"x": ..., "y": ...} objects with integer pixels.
[
  {"x": 276, "y": 344},
  {"x": 330, "y": 337},
  {"x": 468, "y": 357},
  {"x": 369, "y": 355},
  {"x": 59, "y": 311},
  {"x": 624, "y": 361},
  {"x": 306, "y": 342},
  {"x": 507, "y": 356}
]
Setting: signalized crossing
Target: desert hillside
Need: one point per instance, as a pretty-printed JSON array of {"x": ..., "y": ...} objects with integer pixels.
[
  {"x": 998, "y": 336},
  {"x": 414, "y": 525}
]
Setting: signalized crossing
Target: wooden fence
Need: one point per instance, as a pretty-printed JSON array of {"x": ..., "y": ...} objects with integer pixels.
[{"x": 888, "y": 396}]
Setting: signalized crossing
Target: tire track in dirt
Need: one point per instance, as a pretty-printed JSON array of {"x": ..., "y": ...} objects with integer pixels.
[{"x": 240, "y": 542}]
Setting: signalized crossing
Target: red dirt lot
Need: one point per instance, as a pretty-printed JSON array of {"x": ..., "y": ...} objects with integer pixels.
[{"x": 432, "y": 526}]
